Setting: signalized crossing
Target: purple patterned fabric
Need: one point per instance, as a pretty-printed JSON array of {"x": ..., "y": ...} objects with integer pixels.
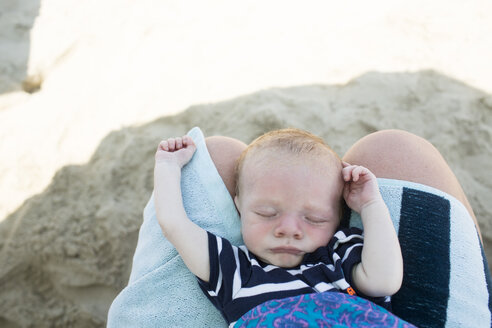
[{"x": 328, "y": 309}]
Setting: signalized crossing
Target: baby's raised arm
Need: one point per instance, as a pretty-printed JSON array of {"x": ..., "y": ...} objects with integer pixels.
[
  {"x": 189, "y": 239},
  {"x": 380, "y": 271}
]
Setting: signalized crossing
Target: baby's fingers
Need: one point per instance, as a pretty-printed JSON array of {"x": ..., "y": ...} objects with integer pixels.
[
  {"x": 172, "y": 144},
  {"x": 347, "y": 173},
  {"x": 179, "y": 143},
  {"x": 353, "y": 172},
  {"x": 188, "y": 141},
  {"x": 164, "y": 145},
  {"x": 358, "y": 172}
]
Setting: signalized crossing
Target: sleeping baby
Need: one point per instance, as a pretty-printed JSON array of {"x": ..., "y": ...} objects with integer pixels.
[{"x": 290, "y": 187}]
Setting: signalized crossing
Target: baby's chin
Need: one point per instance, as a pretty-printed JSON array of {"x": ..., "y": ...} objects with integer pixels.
[{"x": 285, "y": 260}]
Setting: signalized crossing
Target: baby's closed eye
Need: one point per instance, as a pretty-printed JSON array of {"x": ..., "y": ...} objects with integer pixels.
[
  {"x": 265, "y": 213},
  {"x": 316, "y": 219}
]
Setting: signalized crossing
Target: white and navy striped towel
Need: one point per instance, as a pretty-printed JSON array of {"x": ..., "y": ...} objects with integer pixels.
[{"x": 446, "y": 277}]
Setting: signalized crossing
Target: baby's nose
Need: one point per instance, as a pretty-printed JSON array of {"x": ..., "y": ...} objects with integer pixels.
[{"x": 288, "y": 226}]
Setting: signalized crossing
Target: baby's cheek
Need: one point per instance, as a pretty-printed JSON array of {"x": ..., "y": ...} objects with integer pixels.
[
  {"x": 320, "y": 236},
  {"x": 252, "y": 235}
]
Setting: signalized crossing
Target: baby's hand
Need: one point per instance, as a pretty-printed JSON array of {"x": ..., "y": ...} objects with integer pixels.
[
  {"x": 361, "y": 187},
  {"x": 175, "y": 150}
]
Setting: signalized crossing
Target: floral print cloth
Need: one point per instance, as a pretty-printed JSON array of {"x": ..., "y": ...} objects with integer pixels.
[{"x": 328, "y": 309}]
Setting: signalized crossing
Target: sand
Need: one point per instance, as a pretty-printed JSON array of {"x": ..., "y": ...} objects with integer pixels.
[{"x": 88, "y": 89}]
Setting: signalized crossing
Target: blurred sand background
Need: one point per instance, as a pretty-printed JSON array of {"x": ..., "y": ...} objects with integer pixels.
[{"x": 88, "y": 88}]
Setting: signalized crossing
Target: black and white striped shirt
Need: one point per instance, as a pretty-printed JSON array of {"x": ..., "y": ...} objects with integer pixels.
[{"x": 239, "y": 281}]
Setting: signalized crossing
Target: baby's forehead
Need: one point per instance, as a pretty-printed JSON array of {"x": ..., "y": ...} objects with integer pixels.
[{"x": 268, "y": 175}]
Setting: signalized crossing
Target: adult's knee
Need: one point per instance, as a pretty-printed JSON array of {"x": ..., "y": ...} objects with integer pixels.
[
  {"x": 401, "y": 155},
  {"x": 224, "y": 152},
  {"x": 390, "y": 153},
  {"x": 397, "y": 154}
]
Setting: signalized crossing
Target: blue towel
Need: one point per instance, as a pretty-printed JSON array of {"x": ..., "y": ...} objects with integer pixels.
[
  {"x": 446, "y": 279},
  {"x": 161, "y": 291}
]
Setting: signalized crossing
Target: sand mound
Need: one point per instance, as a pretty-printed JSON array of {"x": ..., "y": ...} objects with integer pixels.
[{"x": 67, "y": 251}]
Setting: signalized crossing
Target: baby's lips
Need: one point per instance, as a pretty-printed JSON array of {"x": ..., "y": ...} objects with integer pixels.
[{"x": 287, "y": 249}]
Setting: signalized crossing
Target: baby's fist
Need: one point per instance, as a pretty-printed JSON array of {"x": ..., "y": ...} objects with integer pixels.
[
  {"x": 361, "y": 187},
  {"x": 175, "y": 150}
]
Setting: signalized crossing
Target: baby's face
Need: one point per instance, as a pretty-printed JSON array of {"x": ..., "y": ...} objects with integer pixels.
[{"x": 288, "y": 208}]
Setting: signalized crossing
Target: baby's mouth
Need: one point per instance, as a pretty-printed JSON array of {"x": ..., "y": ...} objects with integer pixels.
[{"x": 287, "y": 250}]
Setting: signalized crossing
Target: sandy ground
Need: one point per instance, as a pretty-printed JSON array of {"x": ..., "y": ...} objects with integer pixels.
[{"x": 87, "y": 89}]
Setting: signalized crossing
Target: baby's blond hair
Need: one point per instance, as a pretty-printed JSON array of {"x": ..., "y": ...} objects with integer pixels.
[{"x": 291, "y": 141}]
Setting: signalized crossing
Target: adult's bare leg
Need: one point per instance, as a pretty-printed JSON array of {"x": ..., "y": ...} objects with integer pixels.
[
  {"x": 224, "y": 152},
  {"x": 397, "y": 154}
]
